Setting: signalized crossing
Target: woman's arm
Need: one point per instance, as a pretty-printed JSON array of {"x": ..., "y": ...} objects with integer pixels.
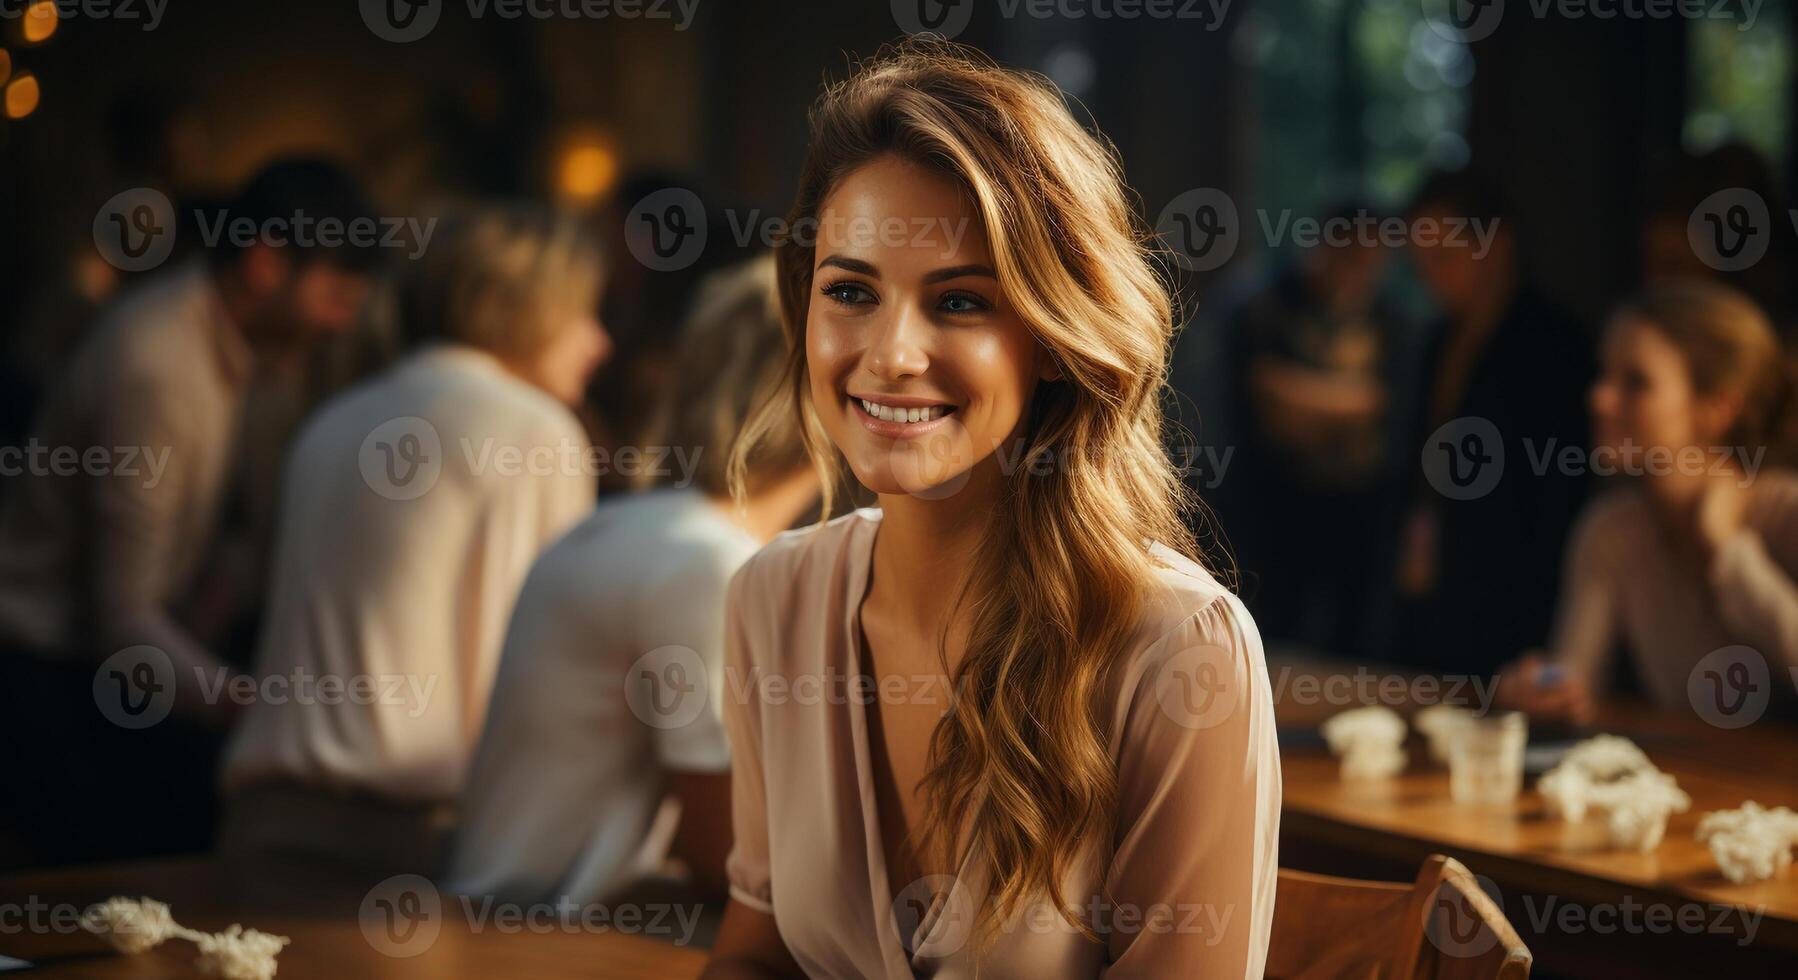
[
  {"x": 1196, "y": 860},
  {"x": 1755, "y": 597},
  {"x": 749, "y": 944}
]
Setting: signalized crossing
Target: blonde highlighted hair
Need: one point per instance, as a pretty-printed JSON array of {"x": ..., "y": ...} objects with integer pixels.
[
  {"x": 1064, "y": 570},
  {"x": 1730, "y": 349},
  {"x": 503, "y": 278},
  {"x": 730, "y": 359}
]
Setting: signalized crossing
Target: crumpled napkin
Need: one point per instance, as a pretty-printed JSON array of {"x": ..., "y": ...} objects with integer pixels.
[
  {"x": 1752, "y": 842},
  {"x": 135, "y": 925},
  {"x": 1368, "y": 740},
  {"x": 1612, "y": 774}
]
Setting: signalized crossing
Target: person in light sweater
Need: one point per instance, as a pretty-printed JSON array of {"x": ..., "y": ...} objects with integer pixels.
[
  {"x": 1699, "y": 552},
  {"x": 604, "y": 756},
  {"x": 412, "y": 507}
]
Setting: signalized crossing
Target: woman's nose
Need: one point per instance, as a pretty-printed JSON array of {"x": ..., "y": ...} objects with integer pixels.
[{"x": 898, "y": 350}]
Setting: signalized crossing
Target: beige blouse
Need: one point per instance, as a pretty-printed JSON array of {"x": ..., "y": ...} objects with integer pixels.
[
  {"x": 1623, "y": 583},
  {"x": 1184, "y": 886}
]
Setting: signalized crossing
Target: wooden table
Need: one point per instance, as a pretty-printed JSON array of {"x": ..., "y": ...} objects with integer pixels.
[
  {"x": 1569, "y": 895},
  {"x": 325, "y": 914}
]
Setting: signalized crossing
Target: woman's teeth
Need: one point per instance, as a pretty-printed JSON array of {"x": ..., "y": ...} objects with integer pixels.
[{"x": 889, "y": 413}]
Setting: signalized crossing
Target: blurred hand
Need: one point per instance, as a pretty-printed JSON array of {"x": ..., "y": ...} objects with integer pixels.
[
  {"x": 1543, "y": 689},
  {"x": 1722, "y": 513}
]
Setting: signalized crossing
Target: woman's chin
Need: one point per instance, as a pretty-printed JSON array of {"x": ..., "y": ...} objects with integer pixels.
[{"x": 904, "y": 478}]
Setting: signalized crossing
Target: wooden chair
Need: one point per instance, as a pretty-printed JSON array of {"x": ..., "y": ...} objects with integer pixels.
[{"x": 1443, "y": 926}]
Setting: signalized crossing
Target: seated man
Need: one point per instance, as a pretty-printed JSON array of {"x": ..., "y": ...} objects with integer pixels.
[{"x": 414, "y": 504}]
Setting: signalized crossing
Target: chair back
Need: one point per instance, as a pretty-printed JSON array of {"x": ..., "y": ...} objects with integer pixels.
[{"x": 1440, "y": 927}]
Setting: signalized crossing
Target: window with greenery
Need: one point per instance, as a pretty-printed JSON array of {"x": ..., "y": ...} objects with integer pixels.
[
  {"x": 1739, "y": 81},
  {"x": 1358, "y": 98}
]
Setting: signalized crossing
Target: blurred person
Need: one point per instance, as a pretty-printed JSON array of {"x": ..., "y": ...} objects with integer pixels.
[
  {"x": 1310, "y": 477},
  {"x": 1018, "y": 749},
  {"x": 565, "y": 799},
  {"x": 413, "y": 505},
  {"x": 110, "y": 553},
  {"x": 1476, "y": 576},
  {"x": 1687, "y": 558}
]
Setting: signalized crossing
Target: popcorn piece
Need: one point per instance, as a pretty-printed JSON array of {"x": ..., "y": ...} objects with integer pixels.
[
  {"x": 1751, "y": 843},
  {"x": 1368, "y": 740},
  {"x": 239, "y": 954},
  {"x": 1611, "y": 774},
  {"x": 130, "y": 925},
  {"x": 1438, "y": 723}
]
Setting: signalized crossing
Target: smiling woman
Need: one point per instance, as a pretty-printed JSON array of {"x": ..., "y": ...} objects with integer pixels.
[{"x": 1104, "y": 766}]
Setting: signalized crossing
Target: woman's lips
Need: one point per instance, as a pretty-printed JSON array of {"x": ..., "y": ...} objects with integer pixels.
[{"x": 930, "y": 416}]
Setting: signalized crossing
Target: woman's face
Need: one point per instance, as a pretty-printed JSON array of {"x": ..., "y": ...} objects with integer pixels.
[
  {"x": 1644, "y": 396},
  {"x": 919, "y": 367},
  {"x": 564, "y": 365}
]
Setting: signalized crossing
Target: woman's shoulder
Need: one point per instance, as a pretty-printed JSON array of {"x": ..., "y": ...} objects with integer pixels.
[
  {"x": 1189, "y": 613},
  {"x": 1186, "y": 595},
  {"x": 1195, "y": 663},
  {"x": 801, "y": 561},
  {"x": 1612, "y": 518}
]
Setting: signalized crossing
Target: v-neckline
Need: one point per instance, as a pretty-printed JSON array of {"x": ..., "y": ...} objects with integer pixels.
[{"x": 894, "y": 951}]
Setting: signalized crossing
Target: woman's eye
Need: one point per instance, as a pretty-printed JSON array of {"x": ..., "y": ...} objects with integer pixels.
[
  {"x": 849, "y": 293},
  {"x": 962, "y": 303}
]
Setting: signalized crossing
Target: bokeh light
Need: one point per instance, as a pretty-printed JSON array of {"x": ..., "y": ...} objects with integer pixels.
[
  {"x": 21, "y": 96},
  {"x": 586, "y": 169},
  {"x": 39, "y": 22}
]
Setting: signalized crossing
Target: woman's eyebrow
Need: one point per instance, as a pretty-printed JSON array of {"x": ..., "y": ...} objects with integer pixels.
[
  {"x": 852, "y": 265},
  {"x": 957, "y": 271}
]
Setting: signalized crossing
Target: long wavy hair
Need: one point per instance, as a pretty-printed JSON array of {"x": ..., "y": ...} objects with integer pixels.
[{"x": 1064, "y": 570}]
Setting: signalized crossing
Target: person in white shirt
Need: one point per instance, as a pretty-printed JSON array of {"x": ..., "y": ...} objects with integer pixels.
[
  {"x": 412, "y": 508},
  {"x": 604, "y": 753}
]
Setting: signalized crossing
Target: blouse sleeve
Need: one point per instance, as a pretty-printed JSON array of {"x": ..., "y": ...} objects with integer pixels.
[
  {"x": 1196, "y": 861},
  {"x": 1756, "y": 597},
  {"x": 747, "y": 866},
  {"x": 1585, "y": 629}
]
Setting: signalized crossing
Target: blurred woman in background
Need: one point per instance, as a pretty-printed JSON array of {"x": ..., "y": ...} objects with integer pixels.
[
  {"x": 609, "y": 689},
  {"x": 976, "y": 741},
  {"x": 413, "y": 505},
  {"x": 1700, "y": 552}
]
